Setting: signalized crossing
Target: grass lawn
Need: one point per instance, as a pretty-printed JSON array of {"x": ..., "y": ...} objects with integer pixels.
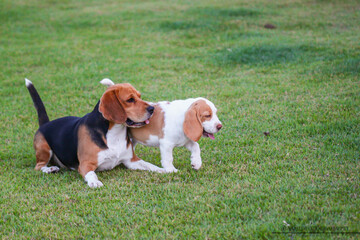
[{"x": 299, "y": 82}]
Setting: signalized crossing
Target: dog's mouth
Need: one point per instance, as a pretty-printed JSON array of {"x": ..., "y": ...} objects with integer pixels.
[
  {"x": 209, "y": 135},
  {"x": 131, "y": 123}
]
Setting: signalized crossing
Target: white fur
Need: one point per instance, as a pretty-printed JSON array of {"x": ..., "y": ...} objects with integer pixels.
[
  {"x": 153, "y": 141},
  {"x": 118, "y": 152},
  {"x": 174, "y": 136},
  {"x": 27, "y": 82},
  {"x": 107, "y": 82},
  {"x": 92, "y": 180},
  {"x": 52, "y": 169}
]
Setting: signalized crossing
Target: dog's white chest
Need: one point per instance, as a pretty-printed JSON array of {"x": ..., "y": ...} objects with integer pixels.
[
  {"x": 117, "y": 149},
  {"x": 153, "y": 141}
]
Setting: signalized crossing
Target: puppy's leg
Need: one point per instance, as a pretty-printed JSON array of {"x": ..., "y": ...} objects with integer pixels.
[
  {"x": 194, "y": 148},
  {"x": 167, "y": 157},
  {"x": 88, "y": 158},
  {"x": 43, "y": 154}
]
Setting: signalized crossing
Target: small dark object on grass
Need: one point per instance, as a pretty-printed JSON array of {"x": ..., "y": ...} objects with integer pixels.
[
  {"x": 267, "y": 133},
  {"x": 269, "y": 26}
]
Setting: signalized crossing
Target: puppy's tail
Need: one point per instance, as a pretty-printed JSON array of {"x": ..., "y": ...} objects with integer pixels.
[{"x": 39, "y": 105}]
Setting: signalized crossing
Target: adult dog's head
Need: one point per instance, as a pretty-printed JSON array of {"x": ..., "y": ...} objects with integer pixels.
[{"x": 122, "y": 103}]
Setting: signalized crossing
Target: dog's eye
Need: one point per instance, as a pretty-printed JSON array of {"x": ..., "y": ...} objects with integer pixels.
[
  {"x": 130, "y": 100},
  {"x": 208, "y": 116}
]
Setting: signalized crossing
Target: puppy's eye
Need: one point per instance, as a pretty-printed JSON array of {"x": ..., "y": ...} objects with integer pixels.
[
  {"x": 130, "y": 100},
  {"x": 208, "y": 116}
]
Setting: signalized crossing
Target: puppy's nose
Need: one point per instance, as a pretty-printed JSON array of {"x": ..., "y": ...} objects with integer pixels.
[
  {"x": 219, "y": 126},
  {"x": 150, "y": 109}
]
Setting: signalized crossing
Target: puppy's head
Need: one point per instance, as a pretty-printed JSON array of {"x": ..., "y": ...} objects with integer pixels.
[
  {"x": 201, "y": 120},
  {"x": 122, "y": 103}
]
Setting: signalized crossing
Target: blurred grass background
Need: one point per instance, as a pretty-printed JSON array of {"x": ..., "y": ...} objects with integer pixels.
[{"x": 299, "y": 82}]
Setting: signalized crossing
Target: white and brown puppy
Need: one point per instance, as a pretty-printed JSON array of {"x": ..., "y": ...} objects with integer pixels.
[
  {"x": 175, "y": 124},
  {"x": 96, "y": 142}
]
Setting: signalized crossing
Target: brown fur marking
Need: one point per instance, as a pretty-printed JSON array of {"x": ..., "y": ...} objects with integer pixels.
[
  {"x": 42, "y": 150},
  {"x": 111, "y": 125},
  {"x": 87, "y": 152},
  {"x": 197, "y": 113},
  {"x": 134, "y": 157},
  {"x": 155, "y": 127},
  {"x": 130, "y": 144},
  {"x": 203, "y": 110}
]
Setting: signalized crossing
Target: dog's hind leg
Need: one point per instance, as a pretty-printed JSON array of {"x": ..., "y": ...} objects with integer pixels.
[{"x": 43, "y": 154}]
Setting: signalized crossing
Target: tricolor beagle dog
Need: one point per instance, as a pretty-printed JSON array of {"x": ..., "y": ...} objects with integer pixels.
[
  {"x": 175, "y": 124},
  {"x": 97, "y": 141}
]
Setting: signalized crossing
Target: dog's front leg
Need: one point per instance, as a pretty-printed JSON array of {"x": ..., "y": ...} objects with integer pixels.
[
  {"x": 167, "y": 157},
  {"x": 88, "y": 158},
  {"x": 194, "y": 148},
  {"x": 87, "y": 170}
]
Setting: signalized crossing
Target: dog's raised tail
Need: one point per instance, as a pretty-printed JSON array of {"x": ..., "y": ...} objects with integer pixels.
[
  {"x": 107, "y": 82},
  {"x": 39, "y": 105}
]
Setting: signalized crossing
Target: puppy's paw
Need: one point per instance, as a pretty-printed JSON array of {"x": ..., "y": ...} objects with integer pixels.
[
  {"x": 196, "y": 166},
  {"x": 170, "y": 170},
  {"x": 52, "y": 169}
]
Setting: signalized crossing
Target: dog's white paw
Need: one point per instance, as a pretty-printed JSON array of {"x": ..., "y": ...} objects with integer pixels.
[
  {"x": 92, "y": 180},
  {"x": 95, "y": 184},
  {"x": 52, "y": 169}
]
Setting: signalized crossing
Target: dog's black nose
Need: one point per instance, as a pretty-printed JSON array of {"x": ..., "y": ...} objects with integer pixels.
[{"x": 150, "y": 109}]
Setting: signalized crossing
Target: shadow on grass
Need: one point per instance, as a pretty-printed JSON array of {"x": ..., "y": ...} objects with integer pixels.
[
  {"x": 186, "y": 25},
  {"x": 208, "y": 19},
  {"x": 262, "y": 55},
  {"x": 346, "y": 67},
  {"x": 202, "y": 25},
  {"x": 224, "y": 12}
]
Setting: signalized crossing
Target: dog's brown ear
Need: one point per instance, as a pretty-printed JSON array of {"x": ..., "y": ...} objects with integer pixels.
[
  {"x": 111, "y": 108},
  {"x": 192, "y": 126}
]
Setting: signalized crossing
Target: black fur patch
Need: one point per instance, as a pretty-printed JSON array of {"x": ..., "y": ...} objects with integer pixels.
[{"x": 39, "y": 106}]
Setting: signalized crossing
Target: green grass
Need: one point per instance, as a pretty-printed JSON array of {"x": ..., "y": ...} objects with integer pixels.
[{"x": 299, "y": 81}]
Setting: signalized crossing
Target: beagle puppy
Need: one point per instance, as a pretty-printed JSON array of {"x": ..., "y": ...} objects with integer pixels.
[
  {"x": 175, "y": 124},
  {"x": 97, "y": 141}
]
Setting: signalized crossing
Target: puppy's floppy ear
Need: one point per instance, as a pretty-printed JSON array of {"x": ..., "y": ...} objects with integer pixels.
[
  {"x": 192, "y": 126},
  {"x": 111, "y": 108}
]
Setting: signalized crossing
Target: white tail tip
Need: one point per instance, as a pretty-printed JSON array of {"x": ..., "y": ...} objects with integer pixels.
[
  {"x": 107, "y": 82},
  {"x": 28, "y": 82}
]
